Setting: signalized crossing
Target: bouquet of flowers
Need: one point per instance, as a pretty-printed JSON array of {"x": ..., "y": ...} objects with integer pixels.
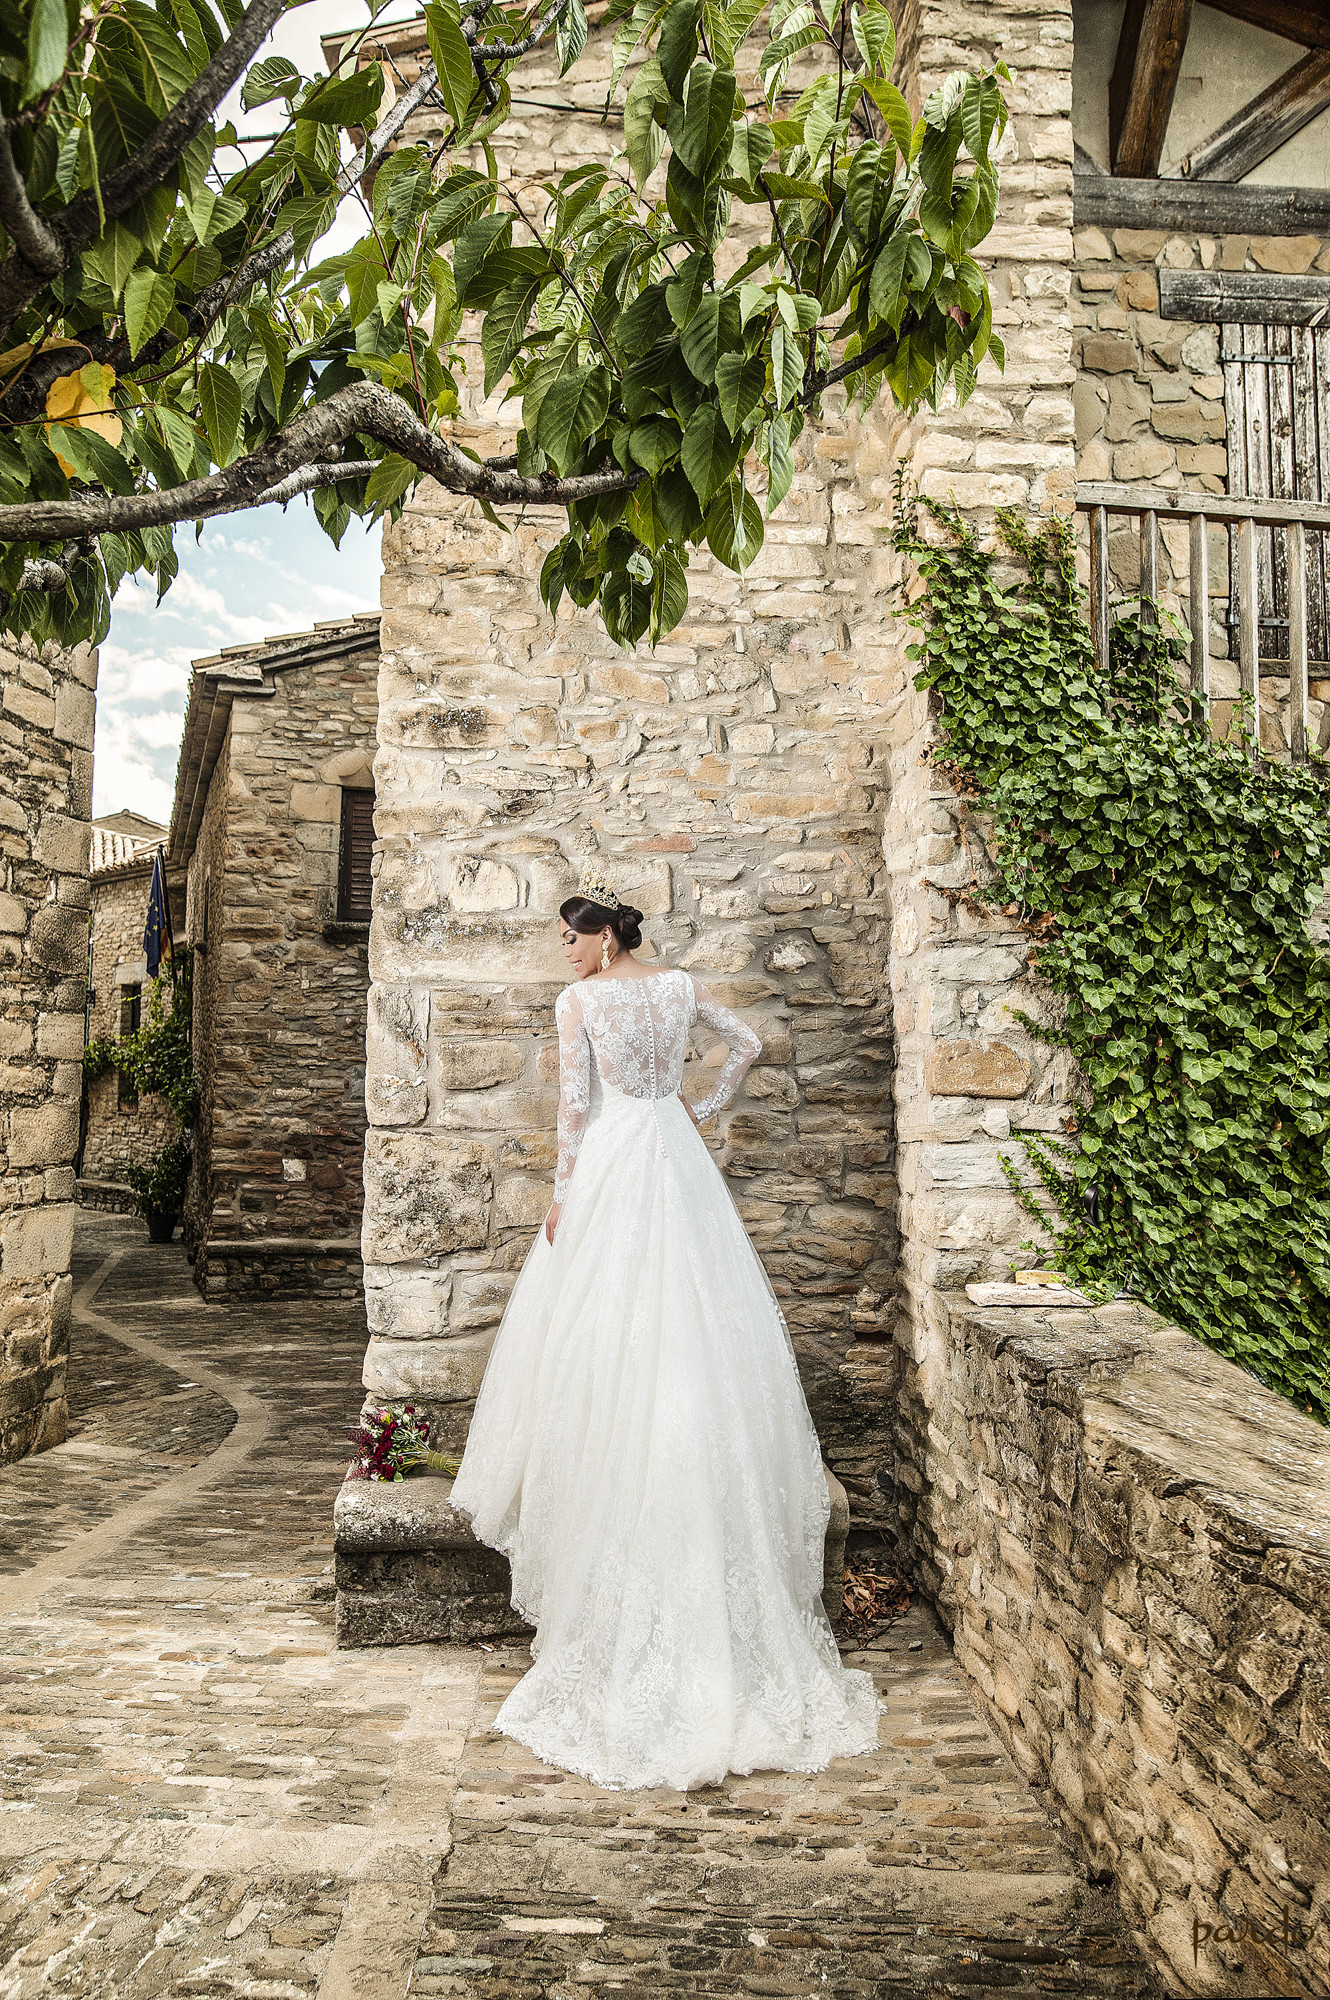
[{"x": 392, "y": 1442}]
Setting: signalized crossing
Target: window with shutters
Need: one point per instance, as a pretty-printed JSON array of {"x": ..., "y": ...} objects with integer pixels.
[
  {"x": 1277, "y": 411},
  {"x": 131, "y": 1019},
  {"x": 354, "y": 879}
]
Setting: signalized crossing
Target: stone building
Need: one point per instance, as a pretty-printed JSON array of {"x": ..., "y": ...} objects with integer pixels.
[
  {"x": 119, "y": 1126},
  {"x": 272, "y": 828},
  {"x": 46, "y": 724},
  {"x": 761, "y": 784}
]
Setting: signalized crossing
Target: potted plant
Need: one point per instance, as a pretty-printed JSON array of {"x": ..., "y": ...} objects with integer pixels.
[{"x": 159, "y": 1189}]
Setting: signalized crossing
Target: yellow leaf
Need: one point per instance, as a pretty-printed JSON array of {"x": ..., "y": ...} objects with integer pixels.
[
  {"x": 84, "y": 399},
  {"x": 14, "y": 357}
]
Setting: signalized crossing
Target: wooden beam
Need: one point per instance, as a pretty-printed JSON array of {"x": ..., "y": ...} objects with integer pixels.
[
  {"x": 1169, "y": 502},
  {"x": 1295, "y": 20},
  {"x": 1251, "y": 298},
  {"x": 1213, "y": 206},
  {"x": 1145, "y": 77},
  {"x": 1264, "y": 125}
]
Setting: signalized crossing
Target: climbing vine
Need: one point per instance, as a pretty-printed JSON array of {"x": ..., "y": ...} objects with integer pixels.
[
  {"x": 1168, "y": 882},
  {"x": 157, "y": 1058}
]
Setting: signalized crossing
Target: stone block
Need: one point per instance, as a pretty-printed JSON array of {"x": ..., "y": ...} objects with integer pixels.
[
  {"x": 441, "y": 1371},
  {"x": 316, "y": 802},
  {"x": 425, "y": 1194},
  {"x": 1108, "y": 354},
  {"x": 409, "y": 1570},
  {"x": 520, "y": 1202},
  {"x": 410, "y": 1304},
  {"x": 37, "y": 1242},
  {"x": 396, "y": 1036},
  {"x": 480, "y": 1298},
  {"x": 60, "y": 1036},
  {"x": 75, "y": 714},
  {"x": 43, "y": 1135},
  {"x": 61, "y": 844},
  {"x": 476, "y": 1065},
  {"x": 28, "y": 705},
  {"x": 58, "y": 938},
  {"x": 475, "y": 884},
  {"x": 434, "y": 947},
  {"x": 976, "y": 1069},
  {"x": 13, "y": 914}
]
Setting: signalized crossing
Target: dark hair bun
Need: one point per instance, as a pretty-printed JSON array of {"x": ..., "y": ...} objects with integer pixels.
[{"x": 584, "y": 916}]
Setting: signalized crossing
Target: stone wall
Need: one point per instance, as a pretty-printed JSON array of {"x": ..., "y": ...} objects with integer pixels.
[
  {"x": 118, "y": 1131},
  {"x": 1150, "y": 412},
  {"x": 46, "y": 724},
  {"x": 280, "y": 984},
  {"x": 757, "y": 784},
  {"x": 1129, "y": 1539}
]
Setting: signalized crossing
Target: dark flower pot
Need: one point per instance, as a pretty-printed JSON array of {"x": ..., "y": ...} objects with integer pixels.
[{"x": 161, "y": 1225}]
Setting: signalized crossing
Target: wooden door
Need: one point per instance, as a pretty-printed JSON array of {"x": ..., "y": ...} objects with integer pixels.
[{"x": 1277, "y": 406}]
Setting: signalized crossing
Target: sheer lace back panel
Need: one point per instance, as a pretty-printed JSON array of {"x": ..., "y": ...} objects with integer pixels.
[{"x": 635, "y": 1033}]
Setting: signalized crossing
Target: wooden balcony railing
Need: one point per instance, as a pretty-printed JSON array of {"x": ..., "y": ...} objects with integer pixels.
[{"x": 1290, "y": 520}]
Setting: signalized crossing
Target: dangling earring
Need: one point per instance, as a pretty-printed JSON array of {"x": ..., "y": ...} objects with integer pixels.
[{"x": 605, "y": 953}]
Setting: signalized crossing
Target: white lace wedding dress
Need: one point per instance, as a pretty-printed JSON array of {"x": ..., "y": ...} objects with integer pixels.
[{"x": 641, "y": 1448}]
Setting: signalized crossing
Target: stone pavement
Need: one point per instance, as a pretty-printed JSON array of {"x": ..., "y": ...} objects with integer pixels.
[{"x": 201, "y": 1796}]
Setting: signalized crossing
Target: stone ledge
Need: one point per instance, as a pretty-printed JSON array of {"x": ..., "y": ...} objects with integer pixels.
[
  {"x": 279, "y": 1267},
  {"x": 409, "y": 1569},
  {"x": 112, "y": 1197},
  {"x": 1130, "y": 1540}
]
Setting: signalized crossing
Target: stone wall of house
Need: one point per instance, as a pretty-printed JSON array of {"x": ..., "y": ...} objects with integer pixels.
[
  {"x": 205, "y": 908},
  {"x": 1129, "y": 1540},
  {"x": 46, "y": 723},
  {"x": 119, "y": 1130},
  {"x": 280, "y": 1026},
  {"x": 1150, "y": 412},
  {"x": 757, "y": 784}
]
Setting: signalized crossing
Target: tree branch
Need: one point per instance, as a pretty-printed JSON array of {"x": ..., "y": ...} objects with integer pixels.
[
  {"x": 81, "y": 222},
  {"x": 362, "y": 408},
  {"x": 824, "y": 378},
  {"x": 311, "y": 476},
  {"x": 31, "y": 234}
]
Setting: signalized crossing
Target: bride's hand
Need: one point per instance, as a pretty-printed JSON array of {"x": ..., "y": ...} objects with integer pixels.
[
  {"x": 552, "y": 1220},
  {"x": 689, "y": 1109}
]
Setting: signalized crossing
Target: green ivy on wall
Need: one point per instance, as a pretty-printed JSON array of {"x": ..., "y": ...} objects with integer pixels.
[
  {"x": 157, "y": 1058},
  {"x": 1168, "y": 882}
]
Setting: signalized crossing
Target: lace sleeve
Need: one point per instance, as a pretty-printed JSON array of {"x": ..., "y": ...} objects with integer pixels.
[
  {"x": 574, "y": 1086},
  {"x": 745, "y": 1047}
]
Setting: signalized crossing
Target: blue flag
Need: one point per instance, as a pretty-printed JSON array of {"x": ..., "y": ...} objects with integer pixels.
[{"x": 157, "y": 940}]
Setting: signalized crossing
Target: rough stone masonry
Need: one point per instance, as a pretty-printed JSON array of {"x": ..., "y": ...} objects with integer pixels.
[{"x": 46, "y": 721}]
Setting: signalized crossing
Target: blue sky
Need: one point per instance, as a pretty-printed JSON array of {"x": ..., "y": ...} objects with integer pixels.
[{"x": 251, "y": 574}]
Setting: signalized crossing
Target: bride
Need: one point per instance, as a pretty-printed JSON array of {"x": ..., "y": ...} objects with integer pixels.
[{"x": 641, "y": 1448}]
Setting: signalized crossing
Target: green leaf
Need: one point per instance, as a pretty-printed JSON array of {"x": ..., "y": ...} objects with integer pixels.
[
  {"x": 570, "y": 34},
  {"x": 48, "y": 41},
  {"x": 780, "y": 460},
  {"x": 273, "y": 77},
  {"x": 713, "y": 330},
  {"x": 792, "y": 187},
  {"x": 683, "y": 294},
  {"x": 706, "y": 127},
  {"x": 654, "y": 444},
  {"x": 477, "y": 242},
  {"x": 113, "y": 256},
  {"x": 625, "y": 606},
  {"x": 93, "y": 457},
  {"x": 896, "y": 112},
  {"x": 346, "y": 100},
  {"x": 452, "y": 57},
  {"x": 787, "y": 367},
  {"x": 874, "y": 37},
  {"x": 221, "y": 409},
  {"x": 677, "y": 48},
  {"x": 886, "y": 284},
  {"x": 180, "y": 436},
  {"x": 708, "y": 452},
  {"x": 388, "y": 482},
  {"x": 868, "y": 188},
  {"x": 505, "y": 327},
  {"x": 734, "y": 527},
  {"x": 643, "y": 136},
  {"x": 740, "y": 381},
  {"x": 149, "y": 299},
  {"x": 669, "y": 596},
  {"x": 574, "y": 407}
]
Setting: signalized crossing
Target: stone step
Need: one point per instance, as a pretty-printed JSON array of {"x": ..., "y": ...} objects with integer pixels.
[{"x": 408, "y": 1568}]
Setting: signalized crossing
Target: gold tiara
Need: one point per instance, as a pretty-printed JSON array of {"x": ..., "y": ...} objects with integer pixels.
[{"x": 596, "y": 889}]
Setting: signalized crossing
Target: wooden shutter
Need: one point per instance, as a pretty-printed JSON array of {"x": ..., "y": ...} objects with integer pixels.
[
  {"x": 1277, "y": 407},
  {"x": 354, "y": 878}
]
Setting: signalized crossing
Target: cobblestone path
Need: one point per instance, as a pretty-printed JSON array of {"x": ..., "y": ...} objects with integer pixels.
[{"x": 201, "y": 1796}]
